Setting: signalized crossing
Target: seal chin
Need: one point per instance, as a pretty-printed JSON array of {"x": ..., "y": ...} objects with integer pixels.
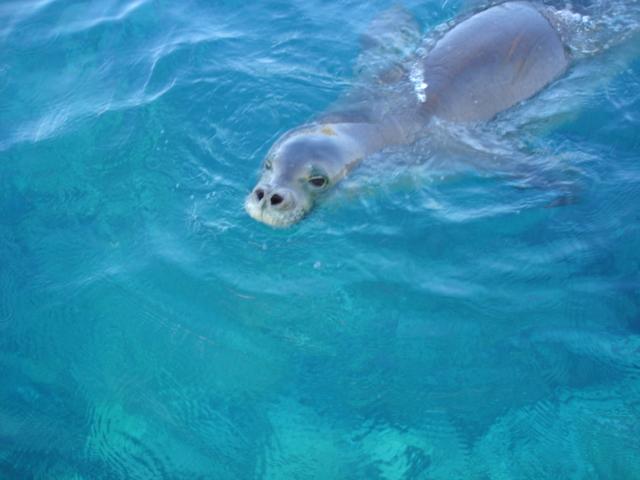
[{"x": 272, "y": 217}]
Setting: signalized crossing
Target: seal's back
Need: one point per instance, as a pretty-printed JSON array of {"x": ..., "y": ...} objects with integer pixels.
[{"x": 492, "y": 61}]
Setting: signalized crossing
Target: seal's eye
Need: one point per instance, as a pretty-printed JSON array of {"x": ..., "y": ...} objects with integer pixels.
[
  {"x": 318, "y": 181},
  {"x": 268, "y": 165}
]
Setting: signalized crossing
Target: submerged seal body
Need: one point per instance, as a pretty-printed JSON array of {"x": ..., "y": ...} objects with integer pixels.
[{"x": 482, "y": 66}]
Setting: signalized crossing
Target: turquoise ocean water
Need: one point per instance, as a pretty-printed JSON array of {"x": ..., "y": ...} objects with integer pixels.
[{"x": 464, "y": 308}]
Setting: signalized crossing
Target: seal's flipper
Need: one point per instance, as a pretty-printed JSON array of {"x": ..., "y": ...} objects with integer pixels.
[
  {"x": 394, "y": 31},
  {"x": 388, "y": 40},
  {"x": 561, "y": 187}
]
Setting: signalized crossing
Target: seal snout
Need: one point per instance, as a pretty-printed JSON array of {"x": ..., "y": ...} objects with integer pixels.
[
  {"x": 276, "y": 206},
  {"x": 278, "y": 198}
]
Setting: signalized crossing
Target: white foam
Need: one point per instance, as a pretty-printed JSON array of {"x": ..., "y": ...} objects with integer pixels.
[{"x": 419, "y": 85}]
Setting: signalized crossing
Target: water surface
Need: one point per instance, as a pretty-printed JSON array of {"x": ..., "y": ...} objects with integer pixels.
[{"x": 464, "y": 308}]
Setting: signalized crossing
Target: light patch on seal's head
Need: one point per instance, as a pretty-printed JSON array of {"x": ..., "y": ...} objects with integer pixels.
[{"x": 327, "y": 130}]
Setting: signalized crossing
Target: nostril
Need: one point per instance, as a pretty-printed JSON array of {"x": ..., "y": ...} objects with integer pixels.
[
  {"x": 259, "y": 194},
  {"x": 276, "y": 199}
]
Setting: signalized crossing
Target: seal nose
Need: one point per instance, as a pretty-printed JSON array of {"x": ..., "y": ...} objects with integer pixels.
[
  {"x": 276, "y": 199},
  {"x": 280, "y": 199}
]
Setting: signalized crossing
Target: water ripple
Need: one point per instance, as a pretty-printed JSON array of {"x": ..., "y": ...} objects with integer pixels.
[{"x": 109, "y": 13}]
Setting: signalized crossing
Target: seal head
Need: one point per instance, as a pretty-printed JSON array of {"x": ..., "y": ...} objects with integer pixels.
[{"x": 301, "y": 166}]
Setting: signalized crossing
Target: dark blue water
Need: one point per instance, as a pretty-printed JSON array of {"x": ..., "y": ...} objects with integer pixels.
[{"x": 464, "y": 308}]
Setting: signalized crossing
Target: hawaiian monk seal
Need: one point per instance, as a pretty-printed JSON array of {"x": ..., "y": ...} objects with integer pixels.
[{"x": 482, "y": 66}]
